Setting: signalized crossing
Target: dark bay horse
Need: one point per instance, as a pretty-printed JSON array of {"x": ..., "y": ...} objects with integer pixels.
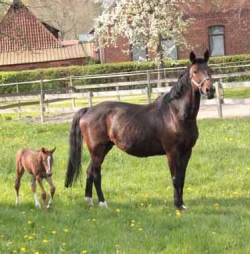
[
  {"x": 39, "y": 165},
  {"x": 165, "y": 127}
]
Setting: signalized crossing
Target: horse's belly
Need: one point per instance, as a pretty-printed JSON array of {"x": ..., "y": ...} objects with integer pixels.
[{"x": 141, "y": 149}]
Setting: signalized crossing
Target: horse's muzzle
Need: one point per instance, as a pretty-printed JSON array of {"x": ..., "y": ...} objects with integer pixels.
[
  {"x": 49, "y": 174},
  {"x": 210, "y": 92}
]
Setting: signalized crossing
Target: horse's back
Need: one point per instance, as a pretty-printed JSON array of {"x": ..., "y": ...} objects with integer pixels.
[{"x": 24, "y": 157}]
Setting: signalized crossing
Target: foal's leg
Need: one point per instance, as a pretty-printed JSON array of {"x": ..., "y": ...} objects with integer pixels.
[
  {"x": 43, "y": 192},
  {"x": 19, "y": 174},
  {"x": 52, "y": 191},
  {"x": 178, "y": 164},
  {"x": 33, "y": 188},
  {"x": 94, "y": 173}
]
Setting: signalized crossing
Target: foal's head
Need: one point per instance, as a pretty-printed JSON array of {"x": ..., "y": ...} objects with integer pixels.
[
  {"x": 47, "y": 159},
  {"x": 200, "y": 75}
]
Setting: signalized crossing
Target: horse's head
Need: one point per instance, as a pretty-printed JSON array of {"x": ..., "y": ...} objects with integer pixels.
[
  {"x": 200, "y": 75},
  {"x": 47, "y": 159}
]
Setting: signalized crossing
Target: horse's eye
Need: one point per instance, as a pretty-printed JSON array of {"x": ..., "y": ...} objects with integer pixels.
[{"x": 195, "y": 72}]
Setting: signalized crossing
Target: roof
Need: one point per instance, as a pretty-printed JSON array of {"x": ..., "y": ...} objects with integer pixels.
[
  {"x": 21, "y": 30},
  {"x": 47, "y": 55}
]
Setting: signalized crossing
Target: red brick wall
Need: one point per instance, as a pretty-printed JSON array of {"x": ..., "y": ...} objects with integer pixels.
[
  {"x": 236, "y": 24},
  {"x": 233, "y": 15},
  {"x": 31, "y": 66},
  {"x": 115, "y": 54}
]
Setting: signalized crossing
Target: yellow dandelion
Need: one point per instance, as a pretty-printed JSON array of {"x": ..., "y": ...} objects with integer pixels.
[
  {"x": 84, "y": 252},
  {"x": 132, "y": 225},
  {"x": 65, "y": 230},
  {"x": 53, "y": 232},
  {"x": 36, "y": 252},
  {"x": 63, "y": 244},
  {"x": 178, "y": 213},
  {"x": 140, "y": 229},
  {"x": 31, "y": 238},
  {"x": 23, "y": 212},
  {"x": 216, "y": 206},
  {"x": 118, "y": 210},
  {"x": 29, "y": 222},
  {"x": 45, "y": 240},
  {"x": 23, "y": 249},
  {"x": 94, "y": 220}
]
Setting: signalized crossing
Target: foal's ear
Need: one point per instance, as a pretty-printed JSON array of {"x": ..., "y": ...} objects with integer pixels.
[
  {"x": 43, "y": 150},
  {"x": 53, "y": 150},
  {"x": 206, "y": 55},
  {"x": 192, "y": 57}
]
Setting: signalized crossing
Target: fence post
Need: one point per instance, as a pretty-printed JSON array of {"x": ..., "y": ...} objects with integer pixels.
[
  {"x": 117, "y": 90},
  {"x": 148, "y": 87},
  {"x": 218, "y": 95},
  {"x": 41, "y": 102},
  {"x": 19, "y": 106},
  {"x": 90, "y": 95},
  {"x": 73, "y": 101}
]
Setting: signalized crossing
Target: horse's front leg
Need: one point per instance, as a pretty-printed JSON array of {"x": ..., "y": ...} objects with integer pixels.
[
  {"x": 178, "y": 164},
  {"x": 52, "y": 191},
  {"x": 43, "y": 192},
  {"x": 33, "y": 189}
]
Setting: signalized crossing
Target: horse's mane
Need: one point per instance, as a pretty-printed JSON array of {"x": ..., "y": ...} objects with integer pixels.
[{"x": 179, "y": 88}]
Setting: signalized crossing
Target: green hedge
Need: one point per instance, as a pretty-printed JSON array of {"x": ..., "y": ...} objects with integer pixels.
[{"x": 53, "y": 73}]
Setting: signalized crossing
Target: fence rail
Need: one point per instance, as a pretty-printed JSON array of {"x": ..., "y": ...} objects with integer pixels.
[{"x": 17, "y": 103}]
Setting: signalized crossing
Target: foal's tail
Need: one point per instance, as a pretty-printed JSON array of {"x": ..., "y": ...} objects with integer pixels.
[{"x": 75, "y": 150}]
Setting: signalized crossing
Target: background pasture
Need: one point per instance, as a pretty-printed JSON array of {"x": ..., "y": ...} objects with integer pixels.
[{"x": 141, "y": 217}]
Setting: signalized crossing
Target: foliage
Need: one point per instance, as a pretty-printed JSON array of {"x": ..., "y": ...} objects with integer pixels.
[
  {"x": 141, "y": 217},
  {"x": 219, "y": 65}
]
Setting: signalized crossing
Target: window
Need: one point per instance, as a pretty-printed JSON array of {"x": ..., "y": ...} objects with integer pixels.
[
  {"x": 216, "y": 40},
  {"x": 170, "y": 49},
  {"x": 139, "y": 54}
]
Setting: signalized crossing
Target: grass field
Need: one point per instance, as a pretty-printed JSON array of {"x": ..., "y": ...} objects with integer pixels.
[{"x": 141, "y": 217}]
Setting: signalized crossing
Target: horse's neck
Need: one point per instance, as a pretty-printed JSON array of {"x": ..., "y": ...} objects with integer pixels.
[{"x": 188, "y": 104}]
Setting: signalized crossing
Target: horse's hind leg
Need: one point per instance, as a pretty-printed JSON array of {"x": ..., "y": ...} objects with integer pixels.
[
  {"x": 94, "y": 173},
  {"x": 33, "y": 188},
  {"x": 19, "y": 174}
]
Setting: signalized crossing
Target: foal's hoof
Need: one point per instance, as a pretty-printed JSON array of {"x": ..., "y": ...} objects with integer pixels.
[
  {"x": 48, "y": 207},
  {"x": 103, "y": 204},
  {"x": 38, "y": 205},
  {"x": 89, "y": 201}
]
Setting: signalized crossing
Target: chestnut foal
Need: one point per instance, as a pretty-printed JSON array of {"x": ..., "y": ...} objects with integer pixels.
[{"x": 39, "y": 165}]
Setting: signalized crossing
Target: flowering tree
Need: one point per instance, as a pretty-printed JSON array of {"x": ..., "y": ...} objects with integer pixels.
[{"x": 143, "y": 23}]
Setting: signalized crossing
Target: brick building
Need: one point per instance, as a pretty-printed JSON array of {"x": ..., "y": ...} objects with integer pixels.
[
  {"x": 224, "y": 29},
  {"x": 28, "y": 43}
]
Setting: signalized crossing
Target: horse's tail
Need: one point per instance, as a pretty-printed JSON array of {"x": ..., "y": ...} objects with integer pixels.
[{"x": 75, "y": 150}]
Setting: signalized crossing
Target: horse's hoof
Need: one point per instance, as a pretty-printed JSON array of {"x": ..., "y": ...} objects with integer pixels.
[
  {"x": 182, "y": 207},
  {"x": 103, "y": 204},
  {"x": 89, "y": 201},
  {"x": 38, "y": 205},
  {"x": 48, "y": 206}
]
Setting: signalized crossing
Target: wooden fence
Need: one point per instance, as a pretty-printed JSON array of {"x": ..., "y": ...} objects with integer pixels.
[{"x": 39, "y": 102}]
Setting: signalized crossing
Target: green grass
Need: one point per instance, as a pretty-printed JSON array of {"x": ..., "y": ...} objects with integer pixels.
[
  {"x": 237, "y": 93},
  {"x": 141, "y": 217}
]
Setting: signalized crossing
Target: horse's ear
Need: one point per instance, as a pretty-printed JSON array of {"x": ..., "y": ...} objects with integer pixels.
[
  {"x": 206, "y": 55},
  {"x": 43, "y": 150},
  {"x": 192, "y": 57},
  {"x": 53, "y": 150}
]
